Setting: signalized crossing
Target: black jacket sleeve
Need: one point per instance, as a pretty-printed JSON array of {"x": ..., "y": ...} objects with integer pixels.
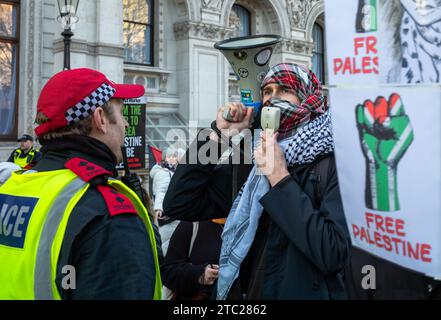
[
  {"x": 178, "y": 273},
  {"x": 116, "y": 261},
  {"x": 199, "y": 191},
  {"x": 112, "y": 256},
  {"x": 322, "y": 234}
]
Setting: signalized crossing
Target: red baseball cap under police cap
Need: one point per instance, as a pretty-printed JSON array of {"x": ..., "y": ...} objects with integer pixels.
[{"x": 72, "y": 95}]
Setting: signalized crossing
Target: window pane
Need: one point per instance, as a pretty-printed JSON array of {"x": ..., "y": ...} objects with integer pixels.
[
  {"x": 138, "y": 11},
  {"x": 8, "y": 74},
  {"x": 137, "y": 40},
  {"x": 317, "y": 36},
  {"x": 317, "y": 66},
  {"x": 245, "y": 18},
  {"x": 8, "y": 20},
  {"x": 318, "y": 52}
]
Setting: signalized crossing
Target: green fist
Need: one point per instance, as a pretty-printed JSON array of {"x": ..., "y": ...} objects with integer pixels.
[{"x": 385, "y": 135}]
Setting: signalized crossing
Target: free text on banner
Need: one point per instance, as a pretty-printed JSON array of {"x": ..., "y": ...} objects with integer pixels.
[{"x": 386, "y": 111}]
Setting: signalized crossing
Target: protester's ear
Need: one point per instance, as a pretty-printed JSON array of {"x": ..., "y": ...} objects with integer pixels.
[{"x": 99, "y": 120}]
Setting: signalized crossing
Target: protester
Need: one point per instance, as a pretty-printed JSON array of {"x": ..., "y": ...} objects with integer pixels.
[
  {"x": 89, "y": 236},
  {"x": 26, "y": 156},
  {"x": 286, "y": 235},
  {"x": 192, "y": 261},
  {"x": 6, "y": 169},
  {"x": 161, "y": 174}
]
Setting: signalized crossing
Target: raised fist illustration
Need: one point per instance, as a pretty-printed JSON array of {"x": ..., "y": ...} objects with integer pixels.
[{"x": 385, "y": 135}]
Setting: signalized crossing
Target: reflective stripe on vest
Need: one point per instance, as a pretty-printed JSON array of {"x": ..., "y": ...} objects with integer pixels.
[
  {"x": 34, "y": 217},
  {"x": 33, "y": 221},
  {"x": 43, "y": 268}
]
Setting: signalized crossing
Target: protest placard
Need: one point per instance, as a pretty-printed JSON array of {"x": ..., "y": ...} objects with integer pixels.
[
  {"x": 387, "y": 126},
  {"x": 389, "y": 171},
  {"x": 352, "y": 43},
  {"x": 134, "y": 141}
]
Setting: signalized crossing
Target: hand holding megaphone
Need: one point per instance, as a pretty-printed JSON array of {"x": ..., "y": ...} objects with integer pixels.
[
  {"x": 240, "y": 118},
  {"x": 234, "y": 112}
]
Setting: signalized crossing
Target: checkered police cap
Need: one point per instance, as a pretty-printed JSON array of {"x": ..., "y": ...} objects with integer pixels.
[
  {"x": 73, "y": 95},
  {"x": 87, "y": 106}
]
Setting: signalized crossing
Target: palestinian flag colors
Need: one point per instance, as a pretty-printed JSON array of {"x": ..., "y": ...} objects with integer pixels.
[
  {"x": 385, "y": 134},
  {"x": 155, "y": 156}
]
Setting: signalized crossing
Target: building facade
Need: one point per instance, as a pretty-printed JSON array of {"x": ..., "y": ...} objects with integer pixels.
[{"x": 164, "y": 45}]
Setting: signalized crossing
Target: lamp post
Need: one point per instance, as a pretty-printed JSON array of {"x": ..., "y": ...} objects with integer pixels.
[{"x": 67, "y": 17}]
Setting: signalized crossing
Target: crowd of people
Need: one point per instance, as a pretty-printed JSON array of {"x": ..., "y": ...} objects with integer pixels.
[{"x": 276, "y": 230}]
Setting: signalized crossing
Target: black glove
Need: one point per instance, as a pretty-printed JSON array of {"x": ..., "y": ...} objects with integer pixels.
[{"x": 132, "y": 181}]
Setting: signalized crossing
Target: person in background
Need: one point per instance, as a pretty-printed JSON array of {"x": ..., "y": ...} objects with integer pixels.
[
  {"x": 161, "y": 174},
  {"x": 26, "y": 156},
  {"x": 191, "y": 264}
]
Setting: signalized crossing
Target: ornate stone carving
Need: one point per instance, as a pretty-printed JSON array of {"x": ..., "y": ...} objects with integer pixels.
[
  {"x": 185, "y": 30},
  {"x": 297, "y": 46},
  {"x": 298, "y": 11},
  {"x": 212, "y": 4},
  {"x": 163, "y": 78}
]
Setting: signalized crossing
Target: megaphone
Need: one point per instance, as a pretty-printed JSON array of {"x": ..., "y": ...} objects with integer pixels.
[{"x": 249, "y": 57}]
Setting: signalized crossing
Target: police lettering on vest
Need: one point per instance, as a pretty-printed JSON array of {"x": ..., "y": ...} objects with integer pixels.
[{"x": 15, "y": 213}]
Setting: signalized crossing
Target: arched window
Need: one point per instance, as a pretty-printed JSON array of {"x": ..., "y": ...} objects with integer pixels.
[
  {"x": 244, "y": 27},
  {"x": 9, "y": 45},
  {"x": 138, "y": 31},
  {"x": 318, "y": 54}
]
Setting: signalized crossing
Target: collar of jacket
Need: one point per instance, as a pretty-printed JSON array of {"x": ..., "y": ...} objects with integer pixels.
[{"x": 81, "y": 146}]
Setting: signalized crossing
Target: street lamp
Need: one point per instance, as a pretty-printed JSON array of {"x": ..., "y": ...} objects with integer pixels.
[{"x": 67, "y": 17}]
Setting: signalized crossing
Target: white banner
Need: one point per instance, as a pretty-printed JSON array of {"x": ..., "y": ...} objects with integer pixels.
[
  {"x": 387, "y": 125},
  {"x": 388, "y": 165},
  {"x": 352, "y": 43}
]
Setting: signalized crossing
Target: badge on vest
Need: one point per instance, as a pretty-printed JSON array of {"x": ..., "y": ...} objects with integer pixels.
[{"x": 15, "y": 213}]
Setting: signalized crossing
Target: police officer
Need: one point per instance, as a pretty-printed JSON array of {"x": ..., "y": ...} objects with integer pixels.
[
  {"x": 68, "y": 228},
  {"x": 26, "y": 156}
]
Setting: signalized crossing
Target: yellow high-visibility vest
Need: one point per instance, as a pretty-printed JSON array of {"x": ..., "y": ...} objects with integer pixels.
[
  {"x": 23, "y": 161},
  {"x": 34, "y": 211}
]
